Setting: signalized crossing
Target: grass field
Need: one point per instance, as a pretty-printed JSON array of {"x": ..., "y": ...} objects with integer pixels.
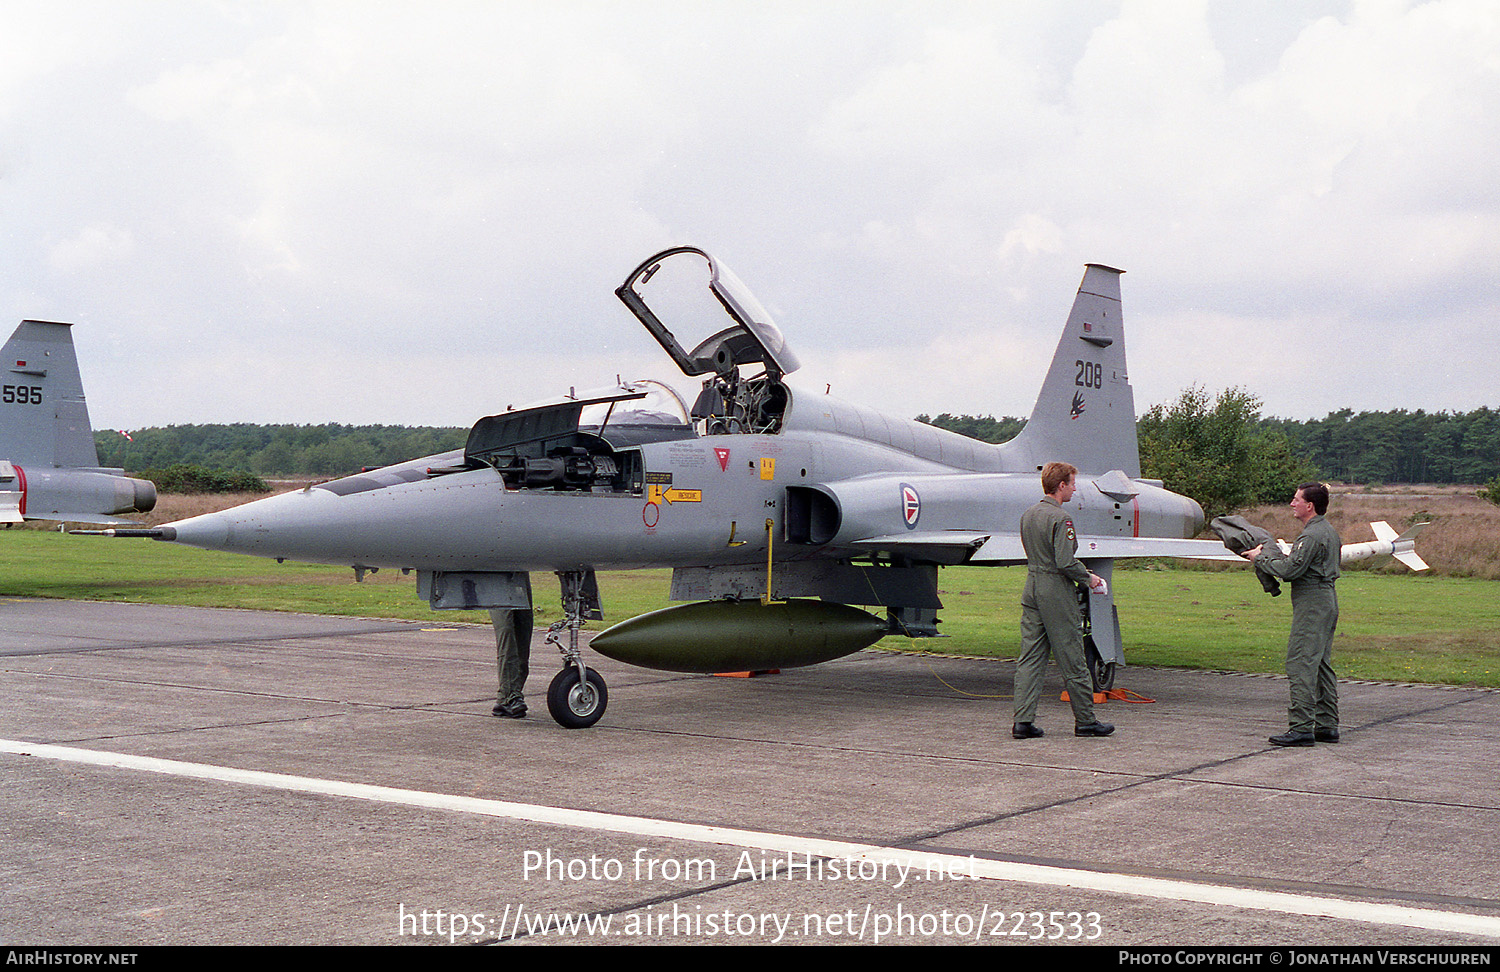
[{"x": 1403, "y": 627}]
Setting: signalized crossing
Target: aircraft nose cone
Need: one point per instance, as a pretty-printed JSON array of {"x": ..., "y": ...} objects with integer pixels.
[
  {"x": 209, "y": 531},
  {"x": 301, "y": 525}
]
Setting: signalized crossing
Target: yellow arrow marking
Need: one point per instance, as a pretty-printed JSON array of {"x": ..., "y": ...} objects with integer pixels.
[{"x": 674, "y": 495}]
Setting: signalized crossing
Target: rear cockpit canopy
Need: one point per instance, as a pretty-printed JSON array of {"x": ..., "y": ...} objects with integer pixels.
[
  {"x": 654, "y": 413},
  {"x": 552, "y": 446}
]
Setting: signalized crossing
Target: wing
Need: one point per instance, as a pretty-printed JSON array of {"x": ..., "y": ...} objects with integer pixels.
[
  {"x": 953, "y": 547},
  {"x": 1005, "y": 548},
  {"x": 947, "y": 548}
]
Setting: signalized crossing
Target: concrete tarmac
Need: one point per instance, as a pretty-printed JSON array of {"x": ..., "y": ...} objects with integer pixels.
[{"x": 195, "y": 776}]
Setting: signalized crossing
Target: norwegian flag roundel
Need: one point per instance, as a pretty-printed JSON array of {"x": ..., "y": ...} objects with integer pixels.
[{"x": 911, "y": 506}]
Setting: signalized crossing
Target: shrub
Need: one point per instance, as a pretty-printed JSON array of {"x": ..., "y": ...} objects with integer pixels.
[{"x": 186, "y": 478}]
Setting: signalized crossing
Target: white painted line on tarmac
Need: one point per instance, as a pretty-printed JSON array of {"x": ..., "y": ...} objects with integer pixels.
[{"x": 1147, "y": 887}]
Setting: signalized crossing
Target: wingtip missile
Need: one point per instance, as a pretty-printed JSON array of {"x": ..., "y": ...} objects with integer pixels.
[{"x": 1387, "y": 543}]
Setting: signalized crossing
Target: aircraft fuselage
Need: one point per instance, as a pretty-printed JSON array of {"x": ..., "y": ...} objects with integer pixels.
[{"x": 702, "y": 501}]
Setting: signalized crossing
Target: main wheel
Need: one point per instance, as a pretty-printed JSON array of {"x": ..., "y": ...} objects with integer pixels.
[
  {"x": 1102, "y": 672},
  {"x": 576, "y": 704}
]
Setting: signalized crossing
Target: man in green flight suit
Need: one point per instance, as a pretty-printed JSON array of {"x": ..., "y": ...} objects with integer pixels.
[
  {"x": 512, "y": 656},
  {"x": 1051, "y": 618},
  {"x": 1312, "y": 567}
]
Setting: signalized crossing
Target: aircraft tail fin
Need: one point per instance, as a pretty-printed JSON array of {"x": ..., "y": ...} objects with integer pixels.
[
  {"x": 44, "y": 420},
  {"x": 1085, "y": 413}
]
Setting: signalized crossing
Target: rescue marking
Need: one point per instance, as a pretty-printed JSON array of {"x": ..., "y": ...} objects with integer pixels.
[
  {"x": 660, "y": 493},
  {"x": 1039, "y": 874}
]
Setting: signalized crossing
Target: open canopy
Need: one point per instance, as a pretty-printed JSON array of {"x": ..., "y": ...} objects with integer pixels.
[{"x": 698, "y": 296}]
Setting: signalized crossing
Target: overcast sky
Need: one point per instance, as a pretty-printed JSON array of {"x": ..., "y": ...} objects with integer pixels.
[{"x": 417, "y": 213}]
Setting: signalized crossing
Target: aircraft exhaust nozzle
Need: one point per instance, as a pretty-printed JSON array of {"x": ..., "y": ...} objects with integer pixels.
[
  {"x": 735, "y": 636},
  {"x": 144, "y": 499},
  {"x": 1194, "y": 515}
]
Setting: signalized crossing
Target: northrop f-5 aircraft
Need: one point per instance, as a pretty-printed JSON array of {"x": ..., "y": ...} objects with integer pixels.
[
  {"x": 777, "y": 509},
  {"x": 49, "y": 467}
]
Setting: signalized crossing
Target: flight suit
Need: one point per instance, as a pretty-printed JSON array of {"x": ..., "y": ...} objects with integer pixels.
[
  {"x": 1312, "y": 567},
  {"x": 1051, "y": 618},
  {"x": 512, "y": 653},
  {"x": 1239, "y": 535}
]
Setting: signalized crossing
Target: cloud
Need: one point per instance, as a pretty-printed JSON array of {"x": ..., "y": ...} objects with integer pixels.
[
  {"x": 90, "y": 247},
  {"x": 466, "y": 183}
]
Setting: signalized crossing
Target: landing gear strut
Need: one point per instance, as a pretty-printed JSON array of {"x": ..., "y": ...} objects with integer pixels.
[{"x": 577, "y": 696}]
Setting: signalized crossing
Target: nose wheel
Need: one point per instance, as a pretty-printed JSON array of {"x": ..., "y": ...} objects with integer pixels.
[
  {"x": 577, "y": 696},
  {"x": 577, "y": 702}
]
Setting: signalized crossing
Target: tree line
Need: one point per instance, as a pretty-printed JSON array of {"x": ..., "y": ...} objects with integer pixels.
[
  {"x": 1399, "y": 446},
  {"x": 1216, "y": 449},
  {"x": 1220, "y": 451},
  {"x": 1365, "y": 447},
  {"x": 275, "y": 450}
]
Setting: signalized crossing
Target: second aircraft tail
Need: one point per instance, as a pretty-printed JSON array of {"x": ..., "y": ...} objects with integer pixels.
[{"x": 45, "y": 418}]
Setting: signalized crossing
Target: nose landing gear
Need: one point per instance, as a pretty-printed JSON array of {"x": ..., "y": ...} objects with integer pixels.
[{"x": 577, "y": 697}]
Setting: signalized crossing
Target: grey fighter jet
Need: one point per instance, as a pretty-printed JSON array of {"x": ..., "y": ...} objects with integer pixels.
[
  {"x": 779, "y": 510},
  {"x": 49, "y": 467}
]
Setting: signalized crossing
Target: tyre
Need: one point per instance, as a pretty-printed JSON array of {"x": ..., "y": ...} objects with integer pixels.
[
  {"x": 1101, "y": 672},
  {"x": 576, "y": 704}
]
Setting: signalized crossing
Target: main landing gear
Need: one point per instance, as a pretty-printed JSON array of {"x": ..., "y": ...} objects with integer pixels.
[
  {"x": 1101, "y": 671},
  {"x": 577, "y": 696}
]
